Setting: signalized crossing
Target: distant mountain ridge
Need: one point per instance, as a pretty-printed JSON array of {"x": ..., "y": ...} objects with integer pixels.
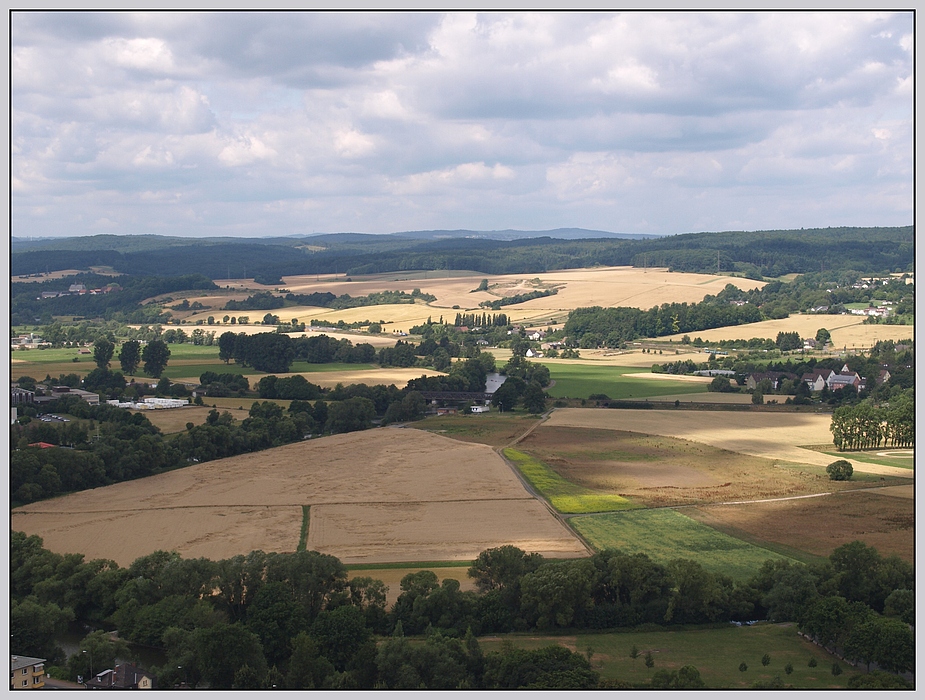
[
  {"x": 150, "y": 241},
  {"x": 756, "y": 254}
]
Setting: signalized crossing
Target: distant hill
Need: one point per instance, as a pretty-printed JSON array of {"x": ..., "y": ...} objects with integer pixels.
[
  {"x": 515, "y": 235},
  {"x": 755, "y": 254}
]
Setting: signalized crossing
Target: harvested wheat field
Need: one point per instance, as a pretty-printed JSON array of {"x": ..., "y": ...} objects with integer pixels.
[
  {"x": 174, "y": 420},
  {"x": 654, "y": 470},
  {"x": 603, "y": 286},
  {"x": 819, "y": 525},
  {"x": 847, "y": 331},
  {"x": 760, "y": 434},
  {"x": 382, "y": 495}
]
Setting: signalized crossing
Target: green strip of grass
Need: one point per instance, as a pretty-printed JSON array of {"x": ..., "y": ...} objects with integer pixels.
[
  {"x": 577, "y": 381},
  {"x": 874, "y": 459},
  {"x": 664, "y": 534},
  {"x": 303, "y": 535},
  {"x": 565, "y": 496}
]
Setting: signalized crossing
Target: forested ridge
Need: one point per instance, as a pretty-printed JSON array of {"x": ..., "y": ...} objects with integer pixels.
[{"x": 753, "y": 253}]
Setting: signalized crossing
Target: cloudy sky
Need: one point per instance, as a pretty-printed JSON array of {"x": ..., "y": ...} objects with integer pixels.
[{"x": 258, "y": 124}]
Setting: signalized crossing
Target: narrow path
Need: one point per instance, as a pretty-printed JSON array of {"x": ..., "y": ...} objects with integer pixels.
[{"x": 562, "y": 518}]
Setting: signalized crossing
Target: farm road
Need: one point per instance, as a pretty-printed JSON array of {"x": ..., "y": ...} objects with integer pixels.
[{"x": 528, "y": 487}]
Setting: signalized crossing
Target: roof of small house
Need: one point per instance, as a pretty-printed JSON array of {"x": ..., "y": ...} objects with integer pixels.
[{"x": 18, "y": 662}]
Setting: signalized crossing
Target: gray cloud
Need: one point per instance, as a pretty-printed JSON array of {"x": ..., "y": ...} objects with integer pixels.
[{"x": 252, "y": 123}]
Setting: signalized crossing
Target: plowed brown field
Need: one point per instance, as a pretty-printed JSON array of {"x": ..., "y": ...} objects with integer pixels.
[{"x": 818, "y": 525}]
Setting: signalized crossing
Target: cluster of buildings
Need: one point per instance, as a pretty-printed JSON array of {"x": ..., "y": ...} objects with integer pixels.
[
  {"x": 28, "y": 673},
  {"x": 151, "y": 403},
  {"x": 79, "y": 289},
  {"x": 817, "y": 380},
  {"x": 28, "y": 341}
]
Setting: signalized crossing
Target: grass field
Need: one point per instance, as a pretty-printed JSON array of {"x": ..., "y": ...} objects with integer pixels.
[
  {"x": 495, "y": 429},
  {"x": 581, "y": 380},
  {"x": 904, "y": 458},
  {"x": 565, "y": 496},
  {"x": 664, "y": 534},
  {"x": 716, "y": 653}
]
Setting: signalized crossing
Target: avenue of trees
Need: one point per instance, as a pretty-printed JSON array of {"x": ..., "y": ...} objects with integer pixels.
[
  {"x": 299, "y": 621},
  {"x": 864, "y": 426}
]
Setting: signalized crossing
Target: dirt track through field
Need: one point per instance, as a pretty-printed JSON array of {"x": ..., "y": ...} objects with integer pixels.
[{"x": 381, "y": 495}]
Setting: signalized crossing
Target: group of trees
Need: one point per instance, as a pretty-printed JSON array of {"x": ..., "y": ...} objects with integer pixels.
[
  {"x": 496, "y": 304},
  {"x": 864, "y": 425},
  {"x": 275, "y": 352},
  {"x": 298, "y": 621},
  {"x": 596, "y": 326}
]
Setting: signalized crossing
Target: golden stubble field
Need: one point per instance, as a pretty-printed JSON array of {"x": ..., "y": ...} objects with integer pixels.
[
  {"x": 847, "y": 331},
  {"x": 604, "y": 286},
  {"x": 760, "y": 434},
  {"x": 382, "y": 495}
]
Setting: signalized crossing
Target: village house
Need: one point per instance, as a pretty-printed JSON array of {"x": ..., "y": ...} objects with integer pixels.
[
  {"x": 845, "y": 378},
  {"x": 775, "y": 378},
  {"x": 817, "y": 379},
  {"x": 26, "y": 673},
  {"x": 122, "y": 677}
]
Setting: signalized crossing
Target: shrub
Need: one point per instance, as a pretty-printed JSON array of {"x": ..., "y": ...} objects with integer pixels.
[{"x": 840, "y": 470}]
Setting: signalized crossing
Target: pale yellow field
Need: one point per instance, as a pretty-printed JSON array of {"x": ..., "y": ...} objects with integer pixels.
[
  {"x": 605, "y": 286},
  {"x": 379, "y": 341},
  {"x": 770, "y": 435},
  {"x": 399, "y": 376},
  {"x": 382, "y": 495},
  {"x": 847, "y": 331},
  {"x": 42, "y": 277}
]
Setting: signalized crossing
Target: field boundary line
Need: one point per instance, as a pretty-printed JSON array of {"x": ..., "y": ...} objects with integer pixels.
[{"x": 770, "y": 500}]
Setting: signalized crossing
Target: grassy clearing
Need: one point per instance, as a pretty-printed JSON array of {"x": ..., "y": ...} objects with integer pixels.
[
  {"x": 664, "y": 534},
  {"x": 580, "y": 381},
  {"x": 495, "y": 429},
  {"x": 565, "y": 496},
  {"x": 715, "y": 652},
  {"x": 873, "y": 458}
]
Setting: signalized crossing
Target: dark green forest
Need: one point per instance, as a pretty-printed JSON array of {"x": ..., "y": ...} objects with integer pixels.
[{"x": 751, "y": 253}]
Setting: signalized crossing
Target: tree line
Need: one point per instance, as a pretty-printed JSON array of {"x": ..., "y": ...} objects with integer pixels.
[{"x": 297, "y": 620}]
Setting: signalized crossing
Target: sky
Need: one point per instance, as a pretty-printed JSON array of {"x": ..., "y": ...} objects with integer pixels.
[{"x": 266, "y": 124}]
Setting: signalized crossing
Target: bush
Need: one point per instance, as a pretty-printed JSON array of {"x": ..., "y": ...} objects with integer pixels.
[{"x": 840, "y": 470}]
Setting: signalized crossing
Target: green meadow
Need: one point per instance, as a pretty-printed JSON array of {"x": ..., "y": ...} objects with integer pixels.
[
  {"x": 664, "y": 534},
  {"x": 716, "y": 652},
  {"x": 565, "y": 496},
  {"x": 576, "y": 381}
]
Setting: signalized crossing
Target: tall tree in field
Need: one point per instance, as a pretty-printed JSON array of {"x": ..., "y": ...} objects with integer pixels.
[
  {"x": 102, "y": 352},
  {"x": 155, "y": 356},
  {"x": 130, "y": 356},
  {"x": 226, "y": 343}
]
